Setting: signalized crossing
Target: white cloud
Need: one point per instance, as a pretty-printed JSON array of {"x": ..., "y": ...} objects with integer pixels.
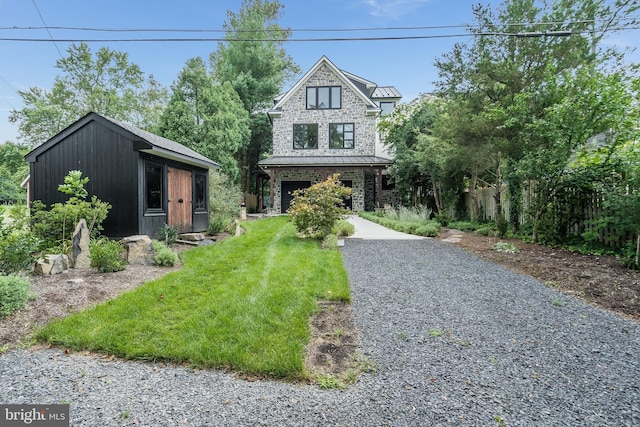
[{"x": 394, "y": 9}]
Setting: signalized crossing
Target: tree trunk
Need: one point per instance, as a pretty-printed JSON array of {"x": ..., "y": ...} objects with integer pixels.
[
  {"x": 437, "y": 196},
  {"x": 473, "y": 193},
  {"x": 497, "y": 211}
]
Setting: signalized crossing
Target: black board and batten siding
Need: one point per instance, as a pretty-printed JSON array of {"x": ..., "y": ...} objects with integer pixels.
[{"x": 113, "y": 156}]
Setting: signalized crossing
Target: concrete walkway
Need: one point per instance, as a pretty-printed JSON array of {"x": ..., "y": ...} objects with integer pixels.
[{"x": 369, "y": 230}]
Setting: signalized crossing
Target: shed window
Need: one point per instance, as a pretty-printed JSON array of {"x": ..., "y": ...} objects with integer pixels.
[
  {"x": 153, "y": 175},
  {"x": 201, "y": 191}
]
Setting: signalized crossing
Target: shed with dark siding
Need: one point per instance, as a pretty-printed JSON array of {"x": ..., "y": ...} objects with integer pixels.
[{"x": 148, "y": 180}]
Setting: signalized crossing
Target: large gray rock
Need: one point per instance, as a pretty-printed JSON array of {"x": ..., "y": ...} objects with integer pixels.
[
  {"x": 138, "y": 250},
  {"x": 80, "y": 246},
  {"x": 51, "y": 264}
]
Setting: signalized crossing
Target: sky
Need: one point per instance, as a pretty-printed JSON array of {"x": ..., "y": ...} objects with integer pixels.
[{"x": 406, "y": 64}]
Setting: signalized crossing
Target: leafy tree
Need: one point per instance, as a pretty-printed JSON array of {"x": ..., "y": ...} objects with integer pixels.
[
  {"x": 106, "y": 83},
  {"x": 13, "y": 170},
  {"x": 207, "y": 117},
  {"x": 253, "y": 60}
]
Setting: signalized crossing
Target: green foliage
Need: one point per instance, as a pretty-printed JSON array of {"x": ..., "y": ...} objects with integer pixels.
[
  {"x": 343, "y": 228},
  {"x": 224, "y": 196},
  {"x": 217, "y": 224},
  {"x": 13, "y": 170},
  {"x": 106, "y": 255},
  {"x": 167, "y": 234},
  {"x": 104, "y": 82},
  {"x": 17, "y": 250},
  {"x": 330, "y": 241},
  {"x": 505, "y": 247},
  {"x": 14, "y": 293},
  {"x": 54, "y": 227},
  {"x": 442, "y": 219},
  {"x": 427, "y": 228},
  {"x": 487, "y": 230},
  {"x": 464, "y": 225},
  {"x": 164, "y": 255},
  {"x": 315, "y": 210},
  {"x": 206, "y": 116}
]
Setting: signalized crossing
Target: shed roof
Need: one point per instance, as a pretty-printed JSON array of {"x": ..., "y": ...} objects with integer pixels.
[{"x": 143, "y": 141}]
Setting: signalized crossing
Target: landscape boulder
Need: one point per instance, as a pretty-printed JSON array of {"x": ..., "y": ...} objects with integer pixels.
[
  {"x": 138, "y": 250},
  {"x": 80, "y": 246},
  {"x": 51, "y": 264}
]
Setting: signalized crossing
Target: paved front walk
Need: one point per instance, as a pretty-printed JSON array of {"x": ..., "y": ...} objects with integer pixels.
[{"x": 369, "y": 230}]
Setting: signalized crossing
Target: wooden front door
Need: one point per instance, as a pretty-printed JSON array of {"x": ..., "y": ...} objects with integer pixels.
[{"x": 180, "y": 199}]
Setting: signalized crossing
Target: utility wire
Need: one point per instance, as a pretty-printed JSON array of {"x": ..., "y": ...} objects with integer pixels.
[
  {"x": 319, "y": 39},
  {"x": 45, "y": 25}
]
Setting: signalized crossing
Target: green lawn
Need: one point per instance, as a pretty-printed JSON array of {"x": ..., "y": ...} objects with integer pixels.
[{"x": 243, "y": 303}]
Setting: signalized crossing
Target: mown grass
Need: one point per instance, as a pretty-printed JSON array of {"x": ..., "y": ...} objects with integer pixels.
[{"x": 242, "y": 304}]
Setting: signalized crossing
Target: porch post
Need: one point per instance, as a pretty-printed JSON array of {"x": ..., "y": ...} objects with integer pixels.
[
  {"x": 379, "y": 187},
  {"x": 272, "y": 178}
]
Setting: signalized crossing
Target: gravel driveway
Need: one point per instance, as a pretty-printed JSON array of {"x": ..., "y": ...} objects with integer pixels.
[{"x": 456, "y": 340}]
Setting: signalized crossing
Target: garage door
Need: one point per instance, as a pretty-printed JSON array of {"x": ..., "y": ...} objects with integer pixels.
[{"x": 288, "y": 187}]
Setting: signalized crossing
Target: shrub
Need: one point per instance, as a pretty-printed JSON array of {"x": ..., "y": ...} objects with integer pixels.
[
  {"x": 106, "y": 255},
  {"x": 224, "y": 196},
  {"x": 167, "y": 234},
  {"x": 14, "y": 293},
  {"x": 427, "y": 230},
  {"x": 486, "y": 230},
  {"x": 17, "y": 249},
  {"x": 55, "y": 227},
  {"x": 316, "y": 209},
  {"x": 464, "y": 225},
  {"x": 164, "y": 256},
  {"x": 505, "y": 247},
  {"x": 344, "y": 228},
  {"x": 330, "y": 241},
  {"x": 443, "y": 219},
  {"x": 217, "y": 224}
]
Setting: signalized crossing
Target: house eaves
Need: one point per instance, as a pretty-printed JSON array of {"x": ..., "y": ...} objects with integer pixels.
[
  {"x": 324, "y": 161},
  {"x": 371, "y": 106}
]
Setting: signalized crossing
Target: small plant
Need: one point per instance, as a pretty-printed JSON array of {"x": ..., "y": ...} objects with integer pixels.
[
  {"x": 164, "y": 256},
  {"x": 167, "y": 234},
  {"x": 402, "y": 336},
  {"x": 217, "y": 224},
  {"x": 505, "y": 247},
  {"x": 487, "y": 230},
  {"x": 330, "y": 241},
  {"x": 106, "y": 255},
  {"x": 499, "y": 420},
  {"x": 443, "y": 219},
  {"x": 557, "y": 302},
  {"x": 330, "y": 382},
  {"x": 435, "y": 333},
  {"x": 17, "y": 248},
  {"x": 344, "y": 228},
  {"x": 338, "y": 333},
  {"x": 14, "y": 293}
]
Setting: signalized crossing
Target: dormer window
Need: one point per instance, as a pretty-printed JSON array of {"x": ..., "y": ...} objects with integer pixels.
[{"x": 324, "y": 97}]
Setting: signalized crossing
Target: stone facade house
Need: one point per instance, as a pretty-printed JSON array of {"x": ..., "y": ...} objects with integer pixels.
[{"x": 325, "y": 124}]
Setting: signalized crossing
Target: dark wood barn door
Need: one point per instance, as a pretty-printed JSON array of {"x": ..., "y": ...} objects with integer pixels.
[{"x": 180, "y": 199}]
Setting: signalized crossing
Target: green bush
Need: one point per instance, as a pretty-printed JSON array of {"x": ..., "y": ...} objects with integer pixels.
[
  {"x": 427, "y": 230},
  {"x": 164, "y": 256},
  {"x": 464, "y": 225},
  {"x": 167, "y": 234},
  {"x": 224, "y": 196},
  {"x": 486, "y": 230},
  {"x": 443, "y": 219},
  {"x": 106, "y": 255},
  {"x": 316, "y": 209},
  {"x": 217, "y": 224},
  {"x": 14, "y": 293},
  {"x": 330, "y": 241},
  {"x": 17, "y": 251},
  {"x": 344, "y": 228}
]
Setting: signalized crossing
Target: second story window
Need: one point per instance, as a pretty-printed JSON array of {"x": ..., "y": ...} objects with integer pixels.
[
  {"x": 305, "y": 136},
  {"x": 324, "y": 97},
  {"x": 341, "y": 135},
  {"x": 387, "y": 107}
]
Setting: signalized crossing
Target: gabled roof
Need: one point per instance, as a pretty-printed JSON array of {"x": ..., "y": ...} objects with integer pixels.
[
  {"x": 144, "y": 141},
  {"x": 346, "y": 80}
]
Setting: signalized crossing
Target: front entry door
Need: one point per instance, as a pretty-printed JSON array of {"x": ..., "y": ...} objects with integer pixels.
[{"x": 180, "y": 199}]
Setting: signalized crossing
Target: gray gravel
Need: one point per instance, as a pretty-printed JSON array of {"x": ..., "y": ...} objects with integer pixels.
[{"x": 456, "y": 341}]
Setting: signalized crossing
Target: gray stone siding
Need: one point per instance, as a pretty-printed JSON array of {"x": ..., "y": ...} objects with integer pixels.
[
  {"x": 356, "y": 176},
  {"x": 354, "y": 110}
]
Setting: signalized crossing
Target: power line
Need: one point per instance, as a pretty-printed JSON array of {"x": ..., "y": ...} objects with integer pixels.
[
  {"x": 319, "y": 39},
  {"x": 45, "y": 24}
]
